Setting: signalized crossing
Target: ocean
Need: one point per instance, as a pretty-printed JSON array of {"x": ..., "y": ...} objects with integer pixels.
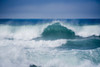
[{"x": 49, "y": 42}]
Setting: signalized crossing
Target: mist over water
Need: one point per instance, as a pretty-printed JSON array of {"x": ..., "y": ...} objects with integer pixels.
[{"x": 50, "y": 43}]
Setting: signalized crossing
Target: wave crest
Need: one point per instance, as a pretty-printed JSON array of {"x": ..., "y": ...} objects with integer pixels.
[{"x": 57, "y": 31}]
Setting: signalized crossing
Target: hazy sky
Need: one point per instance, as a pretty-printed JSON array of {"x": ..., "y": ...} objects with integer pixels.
[{"x": 49, "y": 8}]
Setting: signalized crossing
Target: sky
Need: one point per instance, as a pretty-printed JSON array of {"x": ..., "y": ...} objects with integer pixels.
[{"x": 70, "y": 9}]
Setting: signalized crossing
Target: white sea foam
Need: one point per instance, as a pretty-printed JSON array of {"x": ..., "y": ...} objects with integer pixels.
[
  {"x": 21, "y": 32},
  {"x": 22, "y": 52}
]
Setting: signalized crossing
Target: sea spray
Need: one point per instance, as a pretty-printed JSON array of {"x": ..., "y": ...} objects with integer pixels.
[{"x": 23, "y": 45}]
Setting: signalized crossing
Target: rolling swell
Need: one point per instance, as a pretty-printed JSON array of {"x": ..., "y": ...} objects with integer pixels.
[
  {"x": 57, "y": 31},
  {"x": 82, "y": 44}
]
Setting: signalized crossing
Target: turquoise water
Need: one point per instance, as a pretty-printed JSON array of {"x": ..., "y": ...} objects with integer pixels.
[{"x": 50, "y": 43}]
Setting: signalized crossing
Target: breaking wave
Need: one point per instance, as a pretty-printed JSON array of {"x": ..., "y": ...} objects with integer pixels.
[
  {"x": 55, "y": 44},
  {"x": 56, "y": 30}
]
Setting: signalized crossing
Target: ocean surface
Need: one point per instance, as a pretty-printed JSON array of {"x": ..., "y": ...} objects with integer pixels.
[{"x": 49, "y": 43}]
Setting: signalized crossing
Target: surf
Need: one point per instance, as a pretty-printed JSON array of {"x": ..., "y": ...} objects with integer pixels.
[{"x": 56, "y": 43}]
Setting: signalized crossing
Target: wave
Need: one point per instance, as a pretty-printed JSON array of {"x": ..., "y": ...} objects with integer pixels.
[
  {"x": 18, "y": 49},
  {"x": 66, "y": 31},
  {"x": 55, "y": 29},
  {"x": 82, "y": 44}
]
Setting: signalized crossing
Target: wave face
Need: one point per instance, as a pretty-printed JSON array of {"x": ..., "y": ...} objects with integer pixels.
[
  {"x": 56, "y": 31},
  {"x": 49, "y": 43}
]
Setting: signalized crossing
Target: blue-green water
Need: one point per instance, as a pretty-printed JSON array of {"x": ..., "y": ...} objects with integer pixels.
[{"x": 50, "y": 43}]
